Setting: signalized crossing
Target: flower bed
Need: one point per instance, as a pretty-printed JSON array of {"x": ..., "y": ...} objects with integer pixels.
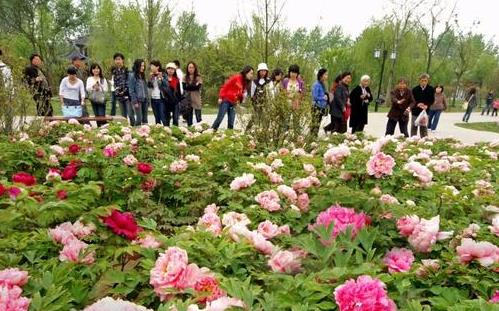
[{"x": 153, "y": 218}]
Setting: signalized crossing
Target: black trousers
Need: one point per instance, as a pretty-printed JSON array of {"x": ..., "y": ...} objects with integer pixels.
[
  {"x": 358, "y": 128},
  {"x": 392, "y": 123}
]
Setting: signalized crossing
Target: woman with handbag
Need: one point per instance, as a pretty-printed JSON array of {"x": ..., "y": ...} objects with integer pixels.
[
  {"x": 72, "y": 94},
  {"x": 341, "y": 104},
  {"x": 97, "y": 88},
  {"x": 469, "y": 104}
]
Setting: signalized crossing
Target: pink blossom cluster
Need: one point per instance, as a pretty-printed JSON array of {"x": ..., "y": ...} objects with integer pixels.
[
  {"x": 398, "y": 260},
  {"x": 485, "y": 253},
  {"x": 286, "y": 261},
  {"x": 69, "y": 235},
  {"x": 336, "y": 155},
  {"x": 130, "y": 160},
  {"x": 440, "y": 166},
  {"x": 309, "y": 169},
  {"x": 268, "y": 171},
  {"x": 483, "y": 188},
  {"x": 298, "y": 152},
  {"x": 299, "y": 202},
  {"x": 380, "y": 165},
  {"x": 112, "y": 150},
  {"x": 270, "y": 230},
  {"x": 422, "y": 233},
  {"x": 109, "y": 303},
  {"x": 471, "y": 231},
  {"x": 238, "y": 232},
  {"x": 148, "y": 241},
  {"x": 428, "y": 266},
  {"x": 420, "y": 171},
  {"x": 219, "y": 304},
  {"x": 192, "y": 158},
  {"x": 363, "y": 294},
  {"x": 178, "y": 166},
  {"x": 388, "y": 199},
  {"x": 303, "y": 184},
  {"x": 494, "y": 228},
  {"x": 11, "y": 281},
  {"x": 495, "y": 297},
  {"x": 269, "y": 200},
  {"x": 53, "y": 175},
  {"x": 173, "y": 272},
  {"x": 144, "y": 131},
  {"x": 210, "y": 221},
  {"x": 242, "y": 182},
  {"x": 342, "y": 218}
]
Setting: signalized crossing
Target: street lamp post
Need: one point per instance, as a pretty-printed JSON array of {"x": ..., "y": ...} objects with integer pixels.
[{"x": 378, "y": 53}]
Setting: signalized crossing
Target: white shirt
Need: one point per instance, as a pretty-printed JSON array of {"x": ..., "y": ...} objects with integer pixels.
[
  {"x": 6, "y": 75},
  {"x": 180, "y": 76},
  {"x": 155, "y": 92},
  {"x": 91, "y": 81},
  {"x": 72, "y": 91}
]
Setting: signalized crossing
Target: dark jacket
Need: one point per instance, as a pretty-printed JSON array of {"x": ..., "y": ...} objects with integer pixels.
[
  {"x": 172, "y": 95},
  {"x": 137, "y": 88},
  {"x": 426, "y": 96},
  {"x": 359, "y": 106},
  {"x": 340, "y": 99},
  {"x": 39, "y": 88},
  {"x": 120, "y": 79},
  {"x": 397, "y": 110}
]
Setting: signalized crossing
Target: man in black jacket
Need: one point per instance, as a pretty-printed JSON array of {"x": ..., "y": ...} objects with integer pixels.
[{"x": 424, "y": 96}]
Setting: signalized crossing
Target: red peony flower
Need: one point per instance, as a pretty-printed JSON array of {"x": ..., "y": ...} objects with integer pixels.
[
  {"x": 61, "y": 194},
  {"x": 123, "y": 224},
  {"x": 69, "y": 172},
  {"x": 144, "y": 168},
  {"x": 2, "y": 190},
  {"x": 148, "y": 185},
  {"x": 74, "y": 149},
  {"x": 40, "y": 153},
  {"x": 24, "y": 178}
]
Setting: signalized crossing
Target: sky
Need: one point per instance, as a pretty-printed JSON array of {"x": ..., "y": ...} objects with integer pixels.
[{"x": 352, "y": 15}]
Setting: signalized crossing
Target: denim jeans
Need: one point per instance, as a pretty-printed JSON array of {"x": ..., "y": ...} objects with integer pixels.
[
  {"x": 135, "y": 113},
  {"x": 99, "y": 111},
  {"x": 434, "y": 117},
  {"x": 467, "y": 114},
  {"x": 113, "y": 103},
  {"x": 392, "y": 123},
  {"x": 123, "y": 101},
  {"x": 145, "y": 110},
  {"x": 225, "y": 108},
  {"x": 172, "y": 113},
  {"x": 158, "y": 108}
]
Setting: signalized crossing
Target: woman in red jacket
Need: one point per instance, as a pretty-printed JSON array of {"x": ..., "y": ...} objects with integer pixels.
[{"x": 233, "y": 92}]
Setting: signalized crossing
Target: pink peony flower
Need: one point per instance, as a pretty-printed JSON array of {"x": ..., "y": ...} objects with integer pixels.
[
  {"x": 277, "y": 164},
  {"x": 72, "y": 251},
  {"x": 178, "y": 166},
  {"x": 428, "y": 265},
  {"x": 363, "y": 294},
  {"x": 269, "y": 200},
  {"x": 301, "y": 185},
  {"x": 420, "y": 171},
  {"x": 82, "y": 231},
  {"x": 406, "y": 225},
  {"x": 288, "y": 192},
  {"x": 380, "y": 165},
  {"x": 130, "y": 160},
  {"x": 495, "y": 225},
  {"x": 144, "y": 131},
  {"x": 310, "y": 169},
  {"x": 210, "y": 220},
  {"x": 242, "y": 182},
  {"x": 388, "y": 199},
  {"x": 270, "y": 230},
  {"x": 13, "y": 277},
  {"x": 208, "y": 289},
  {"x": 425, "y": 234},
  {"x": 303, "y": 202},
  {"x": 232, "y": 218},
  {"x": 53, "y": 175},
  {"x": 109, "y": 152},
  {"x": 171, "y": 271},
  {"x": 285, "y": 262},
  {"x": 283, "y": 151},
  {"x": 11, "y": 299},
  {"x": 149, "y": 241},
  {"x": 398, "y": 260},
  {"x": 495, "y": 297},
  {"x": 109, "y": 303},
  {"x": 335, "y": 155},
  {"x": 275, "y": 178},
  {"x": 342, "y": 218},
  {"x": 14, "y": 192},
  {"x": 485, "y": 253},
  {"x": 260, "y": 243}
]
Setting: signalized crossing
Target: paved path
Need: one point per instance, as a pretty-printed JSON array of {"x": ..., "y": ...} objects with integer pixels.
[
  {"x": 377, "y": 125},
  {"x": 446, "y": 127}
]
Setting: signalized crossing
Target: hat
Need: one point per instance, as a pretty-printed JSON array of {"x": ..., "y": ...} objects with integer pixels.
[
  {"x": 365, "y": 77},
  {"x": 78, "y": 56},
  {"x": 171, "y": 65},
  {"x": 262, "y": 66}
]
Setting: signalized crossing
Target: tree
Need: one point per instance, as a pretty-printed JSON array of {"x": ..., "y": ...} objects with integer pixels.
[
  {"x": 190, "y": 36},
  {"x": 430, "y": 22},
  {"x": 266, "y": 21}
]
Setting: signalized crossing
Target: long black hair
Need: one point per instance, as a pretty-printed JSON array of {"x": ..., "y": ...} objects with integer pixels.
[
  {"x": 321, "y": 73},
  {"x": 187, "y": 74},
  {"x": 276, "y": 72},
  {"x": 243, "y": 73},
  {"x": 156, "y": 63},
  {"x": 136, "y": 69},
  {"x": 93, "y": 66}
]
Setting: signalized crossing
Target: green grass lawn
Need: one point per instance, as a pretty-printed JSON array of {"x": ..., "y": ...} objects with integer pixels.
[{"x": 481, "y": 126}]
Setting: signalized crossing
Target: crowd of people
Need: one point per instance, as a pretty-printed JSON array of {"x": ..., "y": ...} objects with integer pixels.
[{"x": 172, "y": 94}]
